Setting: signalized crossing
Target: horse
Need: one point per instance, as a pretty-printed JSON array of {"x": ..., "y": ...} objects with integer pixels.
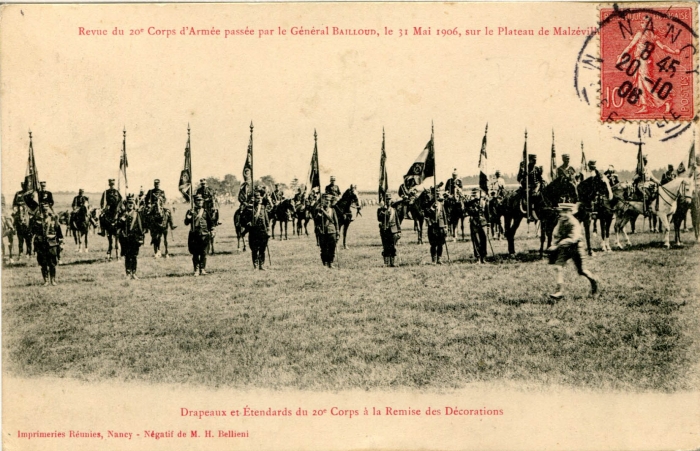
[
  {"x": 241, "y": 221},
  {"x": 282, "y": 213},
  {"x": 95, "y": 220},
  {"x": 108, "y": 221},
  {"x": 588, "y": 191},
  {"x": 413, "y": 209},
  {"x": 158, "y": 219},
  {"x": 667, "y": 202},
  {"x": 684, "y": 204},
  {"x": 8, "y": 231},
  {"x": 303, "y": 215},
  {"x": 347, "y": 207},
  {"x": 80, "y": 222},
  {"x": 456, "y": 212},
  {"x": 513, "y": 213},
  {"x": 494, "y": 213},
  {"x": 629, "y": 206},
  {"x": 552, "y": 194},
  {"x": 21, "y": 219}
]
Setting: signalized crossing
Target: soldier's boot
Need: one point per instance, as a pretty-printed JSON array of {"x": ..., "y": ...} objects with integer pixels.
[
  {"x": 133, "y": 269},
  {"x": 434, "y": 259},
  {"x": 558, "y": 294},
  {"x": 109, "y": 256},
  {"x": 437, "y": 261},
  {"x": 196, "y": 271},
  {"x": 386, "y": 261},
  {"x": 391, "y": 262},
  {"x": 330, "y": 265},
  {"x": 261, "y": 262},
  {"x": 45, "y": 275},
  {"x": 52, "y": 275},
  {"x": 202, "y": 266}
]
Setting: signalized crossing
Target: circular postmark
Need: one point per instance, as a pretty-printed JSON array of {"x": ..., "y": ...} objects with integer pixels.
[{"x": 643, "y": 76}]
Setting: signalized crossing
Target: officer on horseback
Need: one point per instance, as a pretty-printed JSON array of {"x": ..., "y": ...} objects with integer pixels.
[
  {"x": 199, "y": 235},
  {"x": 155, "y": 196},
  {"x": 210, "y": 203},
  {"x": 110, "y": 203},
  {"x": 299, "y": 199},
  {"x": 612, "y": 176},
  {"x": 18, "y": 201},
  {"x": 669, "y": 175},
  {"x": 530, "y": 179},
  {"x": 333, "y": 190},
  {"x": 130, "y": 231},
  {"x": 436, "y": 219},
  {"x": 80, "y": 201},
  {"x": 328, "y": 228},
  {"x": 643, "y": 180},
  {"x": 452, "y": 185},
  {"x": 45, "y": 196},
  {"x": 259, "y": 232},
  {"x": 566, "y": 172},
  {"x": 389, "y": 230},
  {"x": 498, "y": 186},
  {"x": 48, "y": 238},
  {"x": 277, "y": 195}
]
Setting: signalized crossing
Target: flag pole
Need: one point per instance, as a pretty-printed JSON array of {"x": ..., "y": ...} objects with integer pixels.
[
  {"x": 252, "y": 177},
  {"x": 527, "y": 180},
  {"x": 189, "y": 148}
]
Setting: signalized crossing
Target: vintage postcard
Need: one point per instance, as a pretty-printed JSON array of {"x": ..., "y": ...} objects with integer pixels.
[{"x": 343, "y": 226}]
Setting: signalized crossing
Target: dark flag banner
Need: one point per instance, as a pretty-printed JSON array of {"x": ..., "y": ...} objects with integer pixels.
[
  {"x": 123, "y": 162},
  {"x": 422, "y": 168},
  {"x": 314, "y": 174},
  {"x": 691, "y": 156},
  {"x": 640, "y": 162},
  {"x": 31, "y": 179},
  {"x": 483, "y": 172},
  {"x": 383, "y": 177},
  {"x": 185, "y": 184},
  {"x": 248, "y": 165},
  {"x": 584, "y": 164},
  {"x": 553, "y": 166}
]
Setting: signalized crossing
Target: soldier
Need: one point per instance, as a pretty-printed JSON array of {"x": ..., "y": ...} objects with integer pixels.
[
  {"x": 18, "y": 202},
  {"x": 45, "y": 196},
  {"x": 568, "y": 244},
  {"x": 436, "y": 219},
  {"x": 326, "y": 221},
  {"x": 592, "y": 170},
  {"x": 452, "y": 184},
  {"x": 612, "y": 176},
  {"x": 389, "y": 230},
  {"x": 245, "y": 193},
  {"x": 499, "y": 184},
  {"x": 277, "y": 195},
  {"x": 532, "y": 178},
  {"x": 333, "y": 190},
  {"x": 476, "y": 209},
  {"x": 566, "y": 172},
  {"x": 259, "y": 232},
  {"x": 199, "y": 236},
  {"x": 110, "y": 204},
  {"x": 154, "y": 195},
  {"x": 668, "y": 175},
  {"x": 405, "y": 188},
  {"x": 644, "y": 179},
  {"x": 206, "y": 193},
  {"x": 79, "y": 201},
  {"x": 48, "y": 238},
  {"x": 140, "y": 200},
  {"x": 130, "y": 231},
  {"x": 299, "y": 198}
]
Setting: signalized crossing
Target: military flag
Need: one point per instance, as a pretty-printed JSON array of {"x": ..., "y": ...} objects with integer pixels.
[
  {"x": 383, "y": 177},
  {"x": 423, "y": 167},
  {"x": 640, "y": 162},
  {"x": 681, "y": 168},
  {"x": 123, "y": 164},
  {"x": 553, "y": 163},
  {"x": 248, "y": 165},
  {"x": 314, "y": 173},
  {"x": 584, "y": 164},
  {"x": 691, "y": 156},
  {"x": 31, "y": 179},
  {"x": 185, "y": 184},
  {"x": 483, "y": 177}
]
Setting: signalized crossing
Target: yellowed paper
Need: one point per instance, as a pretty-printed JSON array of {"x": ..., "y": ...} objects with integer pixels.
[{"x": 92, "y": 82}]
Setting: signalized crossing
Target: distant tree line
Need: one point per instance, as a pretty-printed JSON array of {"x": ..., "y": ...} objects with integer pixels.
[{"x": 231, "y": 185}]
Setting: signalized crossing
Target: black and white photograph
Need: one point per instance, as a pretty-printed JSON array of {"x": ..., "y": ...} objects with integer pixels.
[{"x": 350, "y": 225}]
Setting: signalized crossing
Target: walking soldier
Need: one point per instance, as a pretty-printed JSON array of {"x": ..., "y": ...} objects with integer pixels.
[
  {"x": 568, "y": 244},
  {"x": 436, "y": 218},
  {"x": 130, "y": 231},
  {"x": 199, "y": 236},
  {"x": 259, "y": 232},
  {"x": 326, "y": 221},
  {"x": 48, "y": 238},
  {"x": 476, "y": 209},
  {"x": 389, "y": 230}
]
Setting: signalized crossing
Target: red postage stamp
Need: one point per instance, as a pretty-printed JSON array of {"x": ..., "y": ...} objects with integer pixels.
[{"x": 648, "y": 68}]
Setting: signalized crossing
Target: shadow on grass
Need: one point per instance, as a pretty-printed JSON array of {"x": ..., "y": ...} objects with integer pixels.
[
  {"x": 655, "y": 245},
  {"x": 85, "y": 262}
]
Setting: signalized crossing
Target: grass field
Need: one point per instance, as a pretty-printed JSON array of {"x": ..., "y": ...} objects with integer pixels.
[{"x": 300, "y": 325}]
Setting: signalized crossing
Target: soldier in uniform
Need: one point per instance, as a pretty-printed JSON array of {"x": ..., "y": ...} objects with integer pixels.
[
  {"x": 436, "y": 219},
  {"x": 18, "y": 202},
  {"x": 245, "y": 192},
  {"x": 299, "y": 198},
  {"x": 476, "y": 209},
  {"x": 326, "y": 221},
  {"x": 130, "y": 231},
  {"x": 498, "y": 185},
  {"x": 199, "y": 236},
  {"x": 259, "y": 232},
  {"x": 154, "y": 195},
  {"x": 48, "y": 238},
  {"x": 612, "y": 176},
  {"x": 110, "y": 203},
  {"x": 668, "y": 175},
  {"x": 45, "y": 196},
  {"x": 532, "y": 178},
  {"x": 79, "y": 201},
  {"x": 140, "y": 200},
  {"x": 389, "y": 230},
  {"x": 644, "y": 179},
  {"x": 452, "y": 184},
  {"x": 206, "y": 193},
  {"x": 277, "y": 195},
  {"x": 566, "y": 172},
  {"x": 568, "y": 244},
  {"x": 333, "y": 190}
]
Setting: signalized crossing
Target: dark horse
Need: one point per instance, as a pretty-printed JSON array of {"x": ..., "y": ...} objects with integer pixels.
[
  {"x": 303, "y": 215},
  {"x": 346, "y": 208},
  {"x": 109, "y": 227},
  {"x": 21, "y": 219},
  {"x": 80, "y": 223},
  {"x": 8, "y": 231},
  {"x": 158, "y": 219},
  {"x": 241, "y": 221},
  {"x": 554, "y": 193},
  {"x": 589, "y": 192},
  {"x": 456, "y": 212},
  {"x": 413, "y": 209},
  {"x": 513, "y": 213},
  {"x": 282, "y": 213},
  {"x": 494, "y": 213}
]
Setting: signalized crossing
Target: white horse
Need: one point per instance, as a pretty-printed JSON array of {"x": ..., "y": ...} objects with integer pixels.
[{"x": 667, "y": 202}]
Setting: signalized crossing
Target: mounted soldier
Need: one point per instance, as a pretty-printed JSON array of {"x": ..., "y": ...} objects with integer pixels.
[
  {"x": 333, "y": 190},
  {"x": 259, "y": 232},
  {"x": 131, "y": 233},
  {"x": 277, "y": 195},
  {"x": 612, "y": 176},
  {"x": 210, "y": 202},
  {"x": 245, "y": 192},
  {"x": 110, "y": 204},
  {"x": 140, "y": 200},
  {"x": 18, "y": 201},
  {"x": 80, "y": 201},
  {"x": 453, "y": 186},
  {"x": 48, "y": 238},
  {"x": 328, "y": 228},
  {"x": 436, "y": 218},
  {"x": 299, "y": 198},
  {"x": 531, "y": 182},
  {"x": 566, "y": 172},
  {"x": 45, "y": 196},
  {"x": 199, "y": 235},
  {"x": 669, "y": 175},
  {"x": 498, "y": 186},
  {"x": 155, "y": 197},
  {"x": 389, "y": 230}
]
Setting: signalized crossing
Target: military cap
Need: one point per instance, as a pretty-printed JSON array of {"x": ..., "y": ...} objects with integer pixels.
[
  {"x": 156, "y": 181},
  {"x": 498, "y": 172},
  {"x": 110, "y": 181},
  {"x": 332, "y": 177},
  {"x": 591, "y": 163},
  {"x": 203, "y": 181},
  {"x": 387, "y": 196},
  {"x": 532, "y": 157},
  {"x": 565, "y": 155},
  {"x": 454, "y": 171},
  {"x": 42, "y": 183},
  {"x": 130, "y": 199},
  {"x": 198, "y": 197},
  {"x": 81, "y": 190}
]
